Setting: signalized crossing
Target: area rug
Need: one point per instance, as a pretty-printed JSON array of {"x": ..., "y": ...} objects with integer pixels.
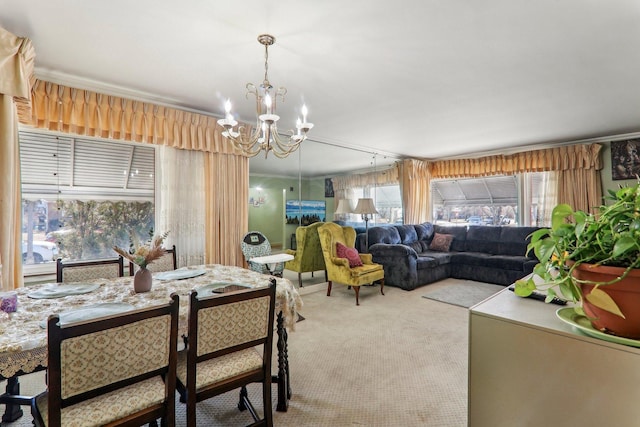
[{"x": 463, "y": 294}]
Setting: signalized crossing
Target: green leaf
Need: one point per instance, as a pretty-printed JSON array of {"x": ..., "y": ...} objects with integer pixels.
[
  {"x": 601, "y": 299},
  {"x": 622, "y": 245},
  {"x": 524, "y": 288},
  {"x": 558, "y": 215},
  {"x": 545, "y": 250}
]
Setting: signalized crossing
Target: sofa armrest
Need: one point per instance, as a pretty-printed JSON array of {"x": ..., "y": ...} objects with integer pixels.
[
  {"x": 290, "y": 252},
  {"x": 392, "y": 250},
  {"x": 366, "y": 258}
]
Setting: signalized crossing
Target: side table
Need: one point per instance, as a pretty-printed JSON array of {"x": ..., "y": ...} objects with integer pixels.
[{"x": 270, "y": 261}]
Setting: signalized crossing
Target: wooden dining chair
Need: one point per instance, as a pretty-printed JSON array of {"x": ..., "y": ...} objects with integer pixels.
[
  {"x": 166, "y": 262},
  {"x": 78, "y": 271},
  {"x": 116, "y": 370},
  {"x": 220, "y": 354}
]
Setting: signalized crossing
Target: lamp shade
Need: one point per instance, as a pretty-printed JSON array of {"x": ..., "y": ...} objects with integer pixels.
[
  {"x": 365, "y": 207},
  {"x": 344, "y": 207}
]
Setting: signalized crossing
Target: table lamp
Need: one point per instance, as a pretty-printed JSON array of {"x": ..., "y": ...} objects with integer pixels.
[
  {"x": 365, "y": 207},
  {"x": 344, "y": 207}
]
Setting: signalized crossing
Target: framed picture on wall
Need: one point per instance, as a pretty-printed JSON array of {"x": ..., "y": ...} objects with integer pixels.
[
  {"x": 625, "y": 159},
  {"x": 328, "y": 187}
]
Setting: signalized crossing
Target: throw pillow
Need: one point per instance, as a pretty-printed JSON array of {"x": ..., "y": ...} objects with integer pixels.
[
  {"x": 441, "y": 242},
  {"x": 349, "y": 253}
]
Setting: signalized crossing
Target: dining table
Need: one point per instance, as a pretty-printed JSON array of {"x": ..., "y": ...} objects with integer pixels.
[{"x": 23, "y": 334}]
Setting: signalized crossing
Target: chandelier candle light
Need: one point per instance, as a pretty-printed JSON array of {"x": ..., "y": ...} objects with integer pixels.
[{"x": 265, "y": 136}]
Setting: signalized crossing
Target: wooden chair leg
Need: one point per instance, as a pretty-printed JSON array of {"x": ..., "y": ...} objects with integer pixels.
[
  {"x": 382, "y": 286},
  {"x": 329, "y": 289},
  {"x": 357, "y": 289},
  {"x": 300, "y": 279}
]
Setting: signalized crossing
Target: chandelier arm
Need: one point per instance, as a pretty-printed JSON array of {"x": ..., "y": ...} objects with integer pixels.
[{"x": 286, "y": 146}]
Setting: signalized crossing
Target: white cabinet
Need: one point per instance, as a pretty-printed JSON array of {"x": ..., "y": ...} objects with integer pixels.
[{"x": 528, "y": 368}]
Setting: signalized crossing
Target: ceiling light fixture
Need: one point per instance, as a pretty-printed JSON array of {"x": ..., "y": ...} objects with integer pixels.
[{"x": 265, "y": 136}]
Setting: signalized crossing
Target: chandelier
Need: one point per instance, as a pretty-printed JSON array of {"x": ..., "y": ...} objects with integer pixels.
[{"x": 265, "y": 136}]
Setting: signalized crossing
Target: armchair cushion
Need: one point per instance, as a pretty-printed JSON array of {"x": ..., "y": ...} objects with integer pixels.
[{"x": 350, "y": 254}]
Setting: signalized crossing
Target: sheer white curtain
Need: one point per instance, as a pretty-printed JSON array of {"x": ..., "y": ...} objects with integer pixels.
[{"x": 180, "y": 202}]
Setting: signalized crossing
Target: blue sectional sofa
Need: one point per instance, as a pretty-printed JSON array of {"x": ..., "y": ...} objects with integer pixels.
[{"x": 492, "y": 254}]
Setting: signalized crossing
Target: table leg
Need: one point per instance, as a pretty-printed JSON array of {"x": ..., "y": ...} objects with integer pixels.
[
  {"x": 284, "y": 391},
  {"x": 12, "y": 400}
]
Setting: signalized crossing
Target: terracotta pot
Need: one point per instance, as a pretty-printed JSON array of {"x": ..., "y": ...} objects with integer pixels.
[
  {"x": 625, "y": 293},
  {"x": 142, "y": 281}
]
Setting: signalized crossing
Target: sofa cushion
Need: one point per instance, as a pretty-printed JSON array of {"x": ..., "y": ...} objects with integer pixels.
[
  {"x": 441, "y": 258},
  {"x": 407, "y": 234},
  {"x": 459, "y": 236},
  {"x": 483, "y": 239},
  {"x": 424, "y": 231},
  {"x": 416, "y": 246},
  {"x": 479, "y": 259},
  {"x": 441, "y": 242},
  {"x": 514, "y": 240},
  {"x": 426, "y": 262},
  {"x": 387, "y": 235},
  {"x": 349, "y": 253}
]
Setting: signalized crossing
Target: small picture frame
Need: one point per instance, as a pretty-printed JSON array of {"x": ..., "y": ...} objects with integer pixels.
[
  {"x": 625, "y": 159},
  {"x": 328, "y": 187}
]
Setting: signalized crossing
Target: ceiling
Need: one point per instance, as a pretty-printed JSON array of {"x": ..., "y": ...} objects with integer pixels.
[{"x": 412, "y": 78}]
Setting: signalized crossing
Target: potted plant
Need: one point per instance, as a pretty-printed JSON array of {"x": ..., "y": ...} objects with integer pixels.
[{"x": 593, "y": 261}]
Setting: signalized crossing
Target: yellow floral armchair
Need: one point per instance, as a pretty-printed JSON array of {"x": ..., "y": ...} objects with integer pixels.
[
  {"x": 308, "y": 254},
  {"x": 338, "y": 269}
]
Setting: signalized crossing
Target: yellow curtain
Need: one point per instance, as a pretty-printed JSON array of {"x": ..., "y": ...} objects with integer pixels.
[
  {"x": 16, "y": 75},
  {"x": 226, "y": 207},
  {"x": 415, "y": 181},
  {"x": 383, "y": 177},
  {"x": 83, "y": 112},
  {"x": 581, "y": 189},
  {"x": 579, "y": 156}
]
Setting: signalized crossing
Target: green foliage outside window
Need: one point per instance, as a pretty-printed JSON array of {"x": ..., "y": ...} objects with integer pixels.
[{"x": 95, "y": 227}]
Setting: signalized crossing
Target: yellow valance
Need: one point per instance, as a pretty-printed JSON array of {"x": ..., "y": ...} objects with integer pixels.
[
  {"x": 580, "y": 156},
  {"x": 83, "y": 112}
]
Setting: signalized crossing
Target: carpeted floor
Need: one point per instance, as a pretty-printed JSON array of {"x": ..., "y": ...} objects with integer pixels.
[
  {"x": 464, "y": 293},
  {"x": 397, "y": 359}
]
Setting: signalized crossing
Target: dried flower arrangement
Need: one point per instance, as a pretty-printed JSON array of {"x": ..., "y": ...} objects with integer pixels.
[{"x": 144, "y": 254}]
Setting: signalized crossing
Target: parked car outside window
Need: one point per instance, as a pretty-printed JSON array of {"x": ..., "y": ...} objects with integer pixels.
[
  {"x": 43, "y": 251},
  {"x": 474, "y": 220}
]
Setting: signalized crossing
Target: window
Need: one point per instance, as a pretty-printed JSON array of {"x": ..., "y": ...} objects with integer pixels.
[
  {"x": 387, "y": 201},
  {"x": 494, "y": 200},
  {"x": 81, "y": 196}
]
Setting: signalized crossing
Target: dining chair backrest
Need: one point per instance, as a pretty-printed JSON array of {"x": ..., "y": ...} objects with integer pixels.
[
  {"x": 224, "y": 331},
  {"x": 166, "y": 262},
  {"x": 113, "y": 370},
  {"x": 78, "y": 271}
]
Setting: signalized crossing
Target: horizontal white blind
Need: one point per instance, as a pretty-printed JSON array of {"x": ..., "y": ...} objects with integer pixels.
[
  {"x": 83, "y": 168},
  {"x": 475, "y": 191}
]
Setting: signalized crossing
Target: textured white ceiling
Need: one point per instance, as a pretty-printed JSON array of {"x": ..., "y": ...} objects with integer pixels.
[{"x": 410, "y": 78}]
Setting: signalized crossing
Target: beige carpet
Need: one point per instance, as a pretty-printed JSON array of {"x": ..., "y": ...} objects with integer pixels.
[{"x": 397, "y": 359}]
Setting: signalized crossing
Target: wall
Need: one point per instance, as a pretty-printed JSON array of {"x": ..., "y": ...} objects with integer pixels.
[{"x": 266, "y": 212}]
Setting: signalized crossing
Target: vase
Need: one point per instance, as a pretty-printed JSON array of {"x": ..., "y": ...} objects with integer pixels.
[
  {"x": 625, "y": 293},
  {"x": 142, "y": 280}
]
